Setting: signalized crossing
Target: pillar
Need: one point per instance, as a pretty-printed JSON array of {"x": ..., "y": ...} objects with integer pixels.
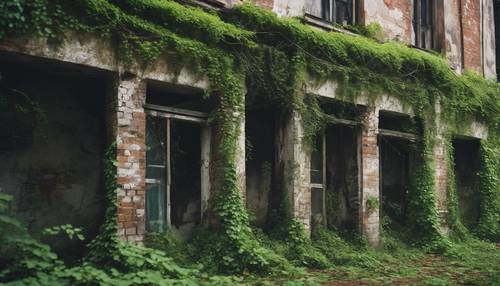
[{"x": 370, "y": 181}]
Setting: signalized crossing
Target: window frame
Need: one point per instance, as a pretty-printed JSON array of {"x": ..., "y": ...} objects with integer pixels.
[
  {"x": 429, "y": 40},
  {"x": 331, "y": 17},
  {"x": 169, "y": 114}
]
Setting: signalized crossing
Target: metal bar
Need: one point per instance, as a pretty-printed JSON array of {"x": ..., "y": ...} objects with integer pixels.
[
  {"x": 168, "y": 171},
  {"x": 396, "y": 134},
  {"x": 316, "y": 186},
  {"x": 177, "y": 111},
  {"x": 152, "y": 181},
  {"x": 176, "y": 116},
  {"x": 323, "y": 197}
]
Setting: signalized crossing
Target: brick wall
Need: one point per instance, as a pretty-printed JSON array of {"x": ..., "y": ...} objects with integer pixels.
[
  {"x": 131, "y": 154},
  {"x": 471, "y": 25}
]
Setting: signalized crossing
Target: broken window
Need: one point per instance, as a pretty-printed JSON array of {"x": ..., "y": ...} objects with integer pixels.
[
  {"x": 466, "y": 161},
  {"x": 423, "y": 23},
  {"x": 397, "y": 135},
  {"x": 337, "y": 11},
  {"x": 335, "y": 169},
  {"x": 176, "y": 166}
]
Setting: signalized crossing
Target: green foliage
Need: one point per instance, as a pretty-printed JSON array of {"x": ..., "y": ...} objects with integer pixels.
[
  {"x": 488, "y": 226},
  {"x": 372, "y": 204},
  {"x": 67, "y": 229},
  {"x": 274, "y": 56},
  {"x": 416, "y": 77},
  {"x": 422, "y": 207},
  {"x": 373, "y": 30}
]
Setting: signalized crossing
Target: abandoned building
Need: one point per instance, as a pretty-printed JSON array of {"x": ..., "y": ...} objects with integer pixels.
[{"x": 82, "y": 98}]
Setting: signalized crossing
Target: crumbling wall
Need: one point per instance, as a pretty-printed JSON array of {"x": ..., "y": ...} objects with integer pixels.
[
  {"x": 395, "y": 17},
  {"x": 55, "y": 176}
]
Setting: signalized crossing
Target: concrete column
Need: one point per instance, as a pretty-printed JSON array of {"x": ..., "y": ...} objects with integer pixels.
[
  {"x": 370, "y": 182},
  {"x": 294, "y": 162},
  {"x": 488, "y": 40},
  {"x": 441, "y": 175},
  {"x": 131, "y": 154},
  {"x": 240, "y": 158}
]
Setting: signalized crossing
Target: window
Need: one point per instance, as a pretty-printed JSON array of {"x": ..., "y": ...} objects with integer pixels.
[
  {"x": 177, "y": 178},
  {"x": 317, "y": 180},
  {"x": 337, "y": 11},
  {"x": 423, "y": 23}
]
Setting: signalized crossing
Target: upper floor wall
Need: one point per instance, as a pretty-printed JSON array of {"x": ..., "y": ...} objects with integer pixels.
[{"x": 462, "y": 30}]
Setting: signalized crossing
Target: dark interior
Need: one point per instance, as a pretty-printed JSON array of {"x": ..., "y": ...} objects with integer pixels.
[
  {"x": 185, "y": 194},
  {"x": 53, "y": 142},
  {"x": 342, "y": 175},
  {"x": 177, "y": 96},
  {"x": 396, "y": 160},
  {"x": 466, "y": 160},
  {"x": 260, "y": 161}
]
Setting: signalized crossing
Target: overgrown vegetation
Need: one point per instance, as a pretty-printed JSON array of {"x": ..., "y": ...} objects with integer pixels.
[{"x": 277, "y": 59}]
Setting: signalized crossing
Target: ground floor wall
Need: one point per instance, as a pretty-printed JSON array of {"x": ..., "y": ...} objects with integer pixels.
[
  {"x": 53, "y": 140},
  {"x": 115, "y": 108}
]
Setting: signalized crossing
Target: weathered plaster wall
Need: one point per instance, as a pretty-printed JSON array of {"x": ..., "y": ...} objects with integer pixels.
[
  {"x": 453, "y": 34},
  {"x": 488, "y": 33},
  {"x": 294, "y": 164},
  {"x": 289, "y": 8},
  {"x": 395, "y": 17},
  {"x": 56, "y": 174}
]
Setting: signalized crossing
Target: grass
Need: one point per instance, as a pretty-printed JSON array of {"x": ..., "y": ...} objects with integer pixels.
[{"x": 472, "y": 262}]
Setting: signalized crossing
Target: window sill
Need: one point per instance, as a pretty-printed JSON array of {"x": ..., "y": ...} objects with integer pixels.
[
  {"x": 325, "y": 25},
  {"x": 318, "y": 22},
  {"x": 207, "y": 4}
]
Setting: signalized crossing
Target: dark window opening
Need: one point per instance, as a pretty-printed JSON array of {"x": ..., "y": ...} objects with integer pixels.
[
  {"x": 423, "y": 23},
  {"x": 397, "y": 157},
  {"x": 52, "y": 165},
  {"x": 397, "y": 135},
  {"x": 398, "y": 122},
  {"x": 497, "y": 35},
  {"x": 335, "y": 162},
  {"x": 260, "y": 162},
  {"x": 336, "y": 11},
  {"x": 342, "y": 177},
  {"x": 187, "y": 98},
  {"x": 466, "y": 160},
  {"x": 175, "y": 161}
]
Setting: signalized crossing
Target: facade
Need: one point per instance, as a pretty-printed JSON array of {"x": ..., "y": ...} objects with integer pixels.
[{"x": 167, "y": 145}]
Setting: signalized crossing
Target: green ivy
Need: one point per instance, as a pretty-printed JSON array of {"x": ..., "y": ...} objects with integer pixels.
[
  {"x": 274, "y": 57},
  {"x": 488, "y": 226}
]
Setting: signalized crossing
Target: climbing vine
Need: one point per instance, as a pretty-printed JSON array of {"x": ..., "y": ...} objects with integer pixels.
[{"x": 276, "y": 59}]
